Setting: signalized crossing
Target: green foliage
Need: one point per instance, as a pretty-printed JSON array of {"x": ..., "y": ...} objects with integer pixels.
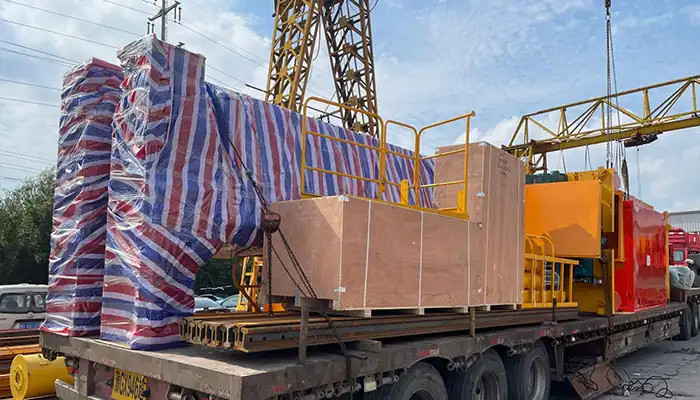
[
  {"x": 25, "y": 230},
  {"x": 216, "y": 273},
  {"x": 25, "y": 238}
]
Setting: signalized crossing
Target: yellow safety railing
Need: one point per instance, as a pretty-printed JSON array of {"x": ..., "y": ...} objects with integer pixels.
[
  {"x": 383, "y": 152},
  {"x": 404, "y": 184},
  {"x": 461, "y": 209},
  {"x": 539, "y": 254},
  {"x": 380, "y": 149}
]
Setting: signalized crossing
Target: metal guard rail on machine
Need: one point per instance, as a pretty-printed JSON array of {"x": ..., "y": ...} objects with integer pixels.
[
  {"x": 460, "y": 211},
  {"x": 536, "y": 292},
  {"x": 537, "y": 259}
]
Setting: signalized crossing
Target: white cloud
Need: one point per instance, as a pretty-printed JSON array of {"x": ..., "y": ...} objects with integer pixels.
[
  {"x": 692, "y": 12},
  {"x": 434, "y": 60}
]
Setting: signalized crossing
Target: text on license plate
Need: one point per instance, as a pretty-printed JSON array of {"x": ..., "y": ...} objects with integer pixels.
[
  {"x": 29, "y": 325},
  {"x": 128, "y": 385}
]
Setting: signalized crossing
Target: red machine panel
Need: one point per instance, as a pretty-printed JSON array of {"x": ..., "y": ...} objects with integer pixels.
[{"x": 642, "y": 282}]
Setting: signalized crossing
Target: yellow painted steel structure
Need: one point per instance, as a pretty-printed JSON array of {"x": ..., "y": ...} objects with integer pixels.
[
  {"x": 293, "y": 41},
  {"x": 33, "y": 376},
  {"x": 575, "y": 230},
  {"x": 379, "y": 147},
  {"x": 592, "y": 215},
  {"x": 540, "y": 254},
  {"x": 249, "y": 287},
  {"x": 574, "y": 127},
  {"x": 348, "y": 34},
  {"x": 539, "y": 259}
]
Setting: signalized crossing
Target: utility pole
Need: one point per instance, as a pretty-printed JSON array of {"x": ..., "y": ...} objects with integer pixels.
[{"x": 163, "y": 14}]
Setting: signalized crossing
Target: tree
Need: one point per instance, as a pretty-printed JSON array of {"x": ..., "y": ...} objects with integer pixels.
[
  {"x": 25, "y": 237},
  {"x": 25, "y": 230}
]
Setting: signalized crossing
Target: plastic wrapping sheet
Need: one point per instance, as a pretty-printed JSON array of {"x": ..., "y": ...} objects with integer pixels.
[
  {"x": 177, "y": 189},
  {"x": 168, "y": 179},
  {"x": 268, "y": 140},
  {"x": 76, "y": 264}
]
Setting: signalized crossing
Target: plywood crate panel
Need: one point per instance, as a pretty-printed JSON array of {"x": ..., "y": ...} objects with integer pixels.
[
  {"x": 366, "y": 255},
  {"x": 495, "y": 198}
]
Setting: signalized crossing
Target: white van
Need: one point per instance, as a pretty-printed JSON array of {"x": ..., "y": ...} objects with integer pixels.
[{"x": 22, "y": 306}]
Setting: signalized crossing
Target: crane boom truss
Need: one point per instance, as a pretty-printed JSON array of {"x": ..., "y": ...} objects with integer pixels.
[
  {"x": 348, "y": 34},
  {"x": 349, "y": 40},
  {"x": 293, "y": 42},
  {"x": 667, "y": 115}
]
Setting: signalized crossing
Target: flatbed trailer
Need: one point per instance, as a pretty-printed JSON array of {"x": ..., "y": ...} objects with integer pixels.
[{"x": 525, "y": 359}]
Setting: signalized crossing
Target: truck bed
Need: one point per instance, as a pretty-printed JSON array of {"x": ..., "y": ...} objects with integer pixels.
[{"x": 234, "y": 375}]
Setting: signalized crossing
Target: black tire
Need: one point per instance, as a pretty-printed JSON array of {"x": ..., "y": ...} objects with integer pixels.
[
  {"x": 529, "y": 376},
  {"x": 421, "y": 382},
  {"x": 686, "y": 324},
  {"x": 485, "y": 379},
  {"x": 695, "y": 315}
]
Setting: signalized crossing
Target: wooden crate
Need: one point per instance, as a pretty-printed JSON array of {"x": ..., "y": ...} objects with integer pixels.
[
  {"x": 495, "y": 198},
  {"x": 363, "y": 255},
  {"x": 366, "y": 255}
]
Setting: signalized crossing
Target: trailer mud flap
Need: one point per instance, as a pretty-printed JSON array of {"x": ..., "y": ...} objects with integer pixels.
[{"x": 594, "y": 381}]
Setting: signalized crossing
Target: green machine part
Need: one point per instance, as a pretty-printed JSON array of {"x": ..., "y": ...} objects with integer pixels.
[{"x": 550, "y": 177}]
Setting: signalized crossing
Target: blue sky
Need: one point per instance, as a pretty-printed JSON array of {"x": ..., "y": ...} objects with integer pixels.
[{"x": 434, "y": 59}]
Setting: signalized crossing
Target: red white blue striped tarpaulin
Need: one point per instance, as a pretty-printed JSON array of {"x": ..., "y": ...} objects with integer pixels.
[
  {"x": 177, "y": 191},
  {"x": 76, "y": 264}
]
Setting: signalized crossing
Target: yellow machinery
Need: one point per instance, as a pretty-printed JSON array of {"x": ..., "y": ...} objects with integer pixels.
[
  {"x": 348, "y": 33},
  {"x": 249, "y": 287},
  {"x": 582, "y": 215},
  {"x": 577, "y": 216},
  {"x": 33, "y": 376}
]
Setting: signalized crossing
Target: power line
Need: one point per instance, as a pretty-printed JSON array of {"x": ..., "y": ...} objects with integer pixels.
[
  {"x": 127, "y": 7},
  {"x": 227, "y": 74},
  {"x": 28, "y": 84},
  {"x": 222, "y": 45},
  {"x": 222, "y": 83},
  {"x": 49, "y": 60},
  {"x": 37, "y": 50},
  {"x": 58, "y": 33},
  {"x": 9, "y": 153},
  {"x": 73, "y": 17},
  {"x": 9, "y": 178},
  {"x": 30, "y": 102},
  {"x": 16, "y": 167}
]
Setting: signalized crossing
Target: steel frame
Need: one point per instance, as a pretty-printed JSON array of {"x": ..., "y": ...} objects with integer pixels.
[
  {"x": 578, "y": 133},
  {"x": 349, "y": 40},
  {"x": 382, "y": 150},
  {"x": 293, "y": 40},
  {"x": 348, "y": 33}
]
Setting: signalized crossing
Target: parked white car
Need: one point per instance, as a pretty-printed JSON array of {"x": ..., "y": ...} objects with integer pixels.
[{"x": 22, "y": 306}]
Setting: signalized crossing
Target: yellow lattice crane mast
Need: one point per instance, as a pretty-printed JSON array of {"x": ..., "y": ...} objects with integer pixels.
[{"x": 348, "y": 34}]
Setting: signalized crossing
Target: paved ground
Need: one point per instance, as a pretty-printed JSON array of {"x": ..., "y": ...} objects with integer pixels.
[{"x": 677, "y": 362}]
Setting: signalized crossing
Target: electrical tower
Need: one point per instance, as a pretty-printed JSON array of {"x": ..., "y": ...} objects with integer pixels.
[{"x": 163, "y": 14}]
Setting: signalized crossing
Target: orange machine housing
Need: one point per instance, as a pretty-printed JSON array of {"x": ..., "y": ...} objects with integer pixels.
[{"x": 641, "y": 283}]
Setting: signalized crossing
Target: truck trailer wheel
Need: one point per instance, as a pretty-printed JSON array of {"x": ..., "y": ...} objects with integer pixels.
[
  {"x": 529, "y": 376},
  {"x": 694, "y": 314},
  {"x": 421, "y": 382},
  {"x": 484, "y": 380},
  {"x": 686, "y": 325}
]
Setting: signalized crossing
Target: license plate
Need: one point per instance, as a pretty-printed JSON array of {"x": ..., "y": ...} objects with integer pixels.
[
  {"x": 29, "y": 325},
  {"x": 128, "y": 385}
]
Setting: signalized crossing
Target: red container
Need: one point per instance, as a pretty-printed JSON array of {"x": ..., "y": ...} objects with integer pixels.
[{"x": 641, "y": 283}]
